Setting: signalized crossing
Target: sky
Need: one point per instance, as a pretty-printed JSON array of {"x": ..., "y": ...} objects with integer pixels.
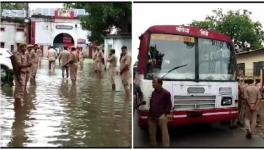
[
  {"x": 45, "y": 5},
  {"x": 146, "y": 15}
]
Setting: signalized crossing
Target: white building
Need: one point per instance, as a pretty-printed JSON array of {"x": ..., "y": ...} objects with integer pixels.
[
  {"x": 116, "y": 42},
  {"x": 12, "y": 34},
  {"x": 47, "y": 27}
]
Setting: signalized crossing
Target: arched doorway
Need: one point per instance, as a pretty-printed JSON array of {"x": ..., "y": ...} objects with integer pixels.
[{"x": 62, "y": 40}]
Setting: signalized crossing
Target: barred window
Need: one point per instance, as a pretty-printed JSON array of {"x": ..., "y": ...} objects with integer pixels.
[{"x": 257, "y": 67}]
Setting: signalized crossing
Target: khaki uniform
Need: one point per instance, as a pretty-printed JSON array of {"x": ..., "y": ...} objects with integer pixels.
[
  {"x": 242, "y": 102},
  {"x": 94, "y": 59},
  {"x": 112, "y": 67},
  {"x": 74, "y": 65},
  {"x": 39, "y": 53},
  {"x": 20, "y": 86},
  {"x": 81, "y": 60},
  {"x": 125, "y": 76},
  {"x": 252, "y": 96},
  {"x": 29, "y": 61},
  {"x": 64, "y": 57},
  {"x": 52, "y": 58},
  {"x": 34, "y": 67},
  {"x": 99, "y": 63}
]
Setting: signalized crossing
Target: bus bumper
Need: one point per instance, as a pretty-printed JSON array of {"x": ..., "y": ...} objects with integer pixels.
[{"x": 194, "y": 116}]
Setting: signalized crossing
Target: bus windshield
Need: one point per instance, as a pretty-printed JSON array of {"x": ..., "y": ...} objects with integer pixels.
[{"x": 172, "y": 57}]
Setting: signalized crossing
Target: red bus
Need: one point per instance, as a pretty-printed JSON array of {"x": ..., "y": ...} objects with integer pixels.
[{"x": 198, "y": 68}]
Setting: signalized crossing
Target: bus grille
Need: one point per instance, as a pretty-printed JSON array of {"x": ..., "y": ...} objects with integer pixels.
[{"x": 194, "y": 102}]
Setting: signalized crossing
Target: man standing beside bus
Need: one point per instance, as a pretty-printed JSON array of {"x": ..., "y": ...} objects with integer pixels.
[
  {"x": 252, "y": 96},
  {"x": 160, "y": 107}
]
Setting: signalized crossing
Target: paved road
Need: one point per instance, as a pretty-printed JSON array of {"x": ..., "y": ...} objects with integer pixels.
[{"x": 217, "y": 135}]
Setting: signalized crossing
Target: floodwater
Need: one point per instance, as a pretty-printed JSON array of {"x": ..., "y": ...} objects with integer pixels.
[{"x": 57, "y": 114}]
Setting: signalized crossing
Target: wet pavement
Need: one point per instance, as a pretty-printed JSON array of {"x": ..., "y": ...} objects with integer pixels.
[
  {"x": 216, "y": 135},
  {"x": 58, "y": 114}
]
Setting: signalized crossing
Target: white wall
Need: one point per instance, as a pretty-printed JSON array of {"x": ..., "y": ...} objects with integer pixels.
[
  {"x": 46, "y": 32},
  {"x": 43, "y": 33},
  {"x": 10, "y": 36}
]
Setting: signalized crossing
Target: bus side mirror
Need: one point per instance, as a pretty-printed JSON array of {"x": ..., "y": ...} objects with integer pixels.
[{"x": 141, "y": 37}]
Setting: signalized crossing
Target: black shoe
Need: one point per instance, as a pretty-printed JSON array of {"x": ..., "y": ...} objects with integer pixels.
[{"x": 249, "y": 135}]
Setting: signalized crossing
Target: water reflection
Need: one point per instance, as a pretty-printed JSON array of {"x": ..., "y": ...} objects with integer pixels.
[
  {"x": 56, "y": 113},
  {"x": 18, "y": 137},
  {"x": 22, "y": 109}
]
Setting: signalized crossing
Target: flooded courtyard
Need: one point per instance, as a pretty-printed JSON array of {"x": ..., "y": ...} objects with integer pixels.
[{"x": 56, "y": 113}]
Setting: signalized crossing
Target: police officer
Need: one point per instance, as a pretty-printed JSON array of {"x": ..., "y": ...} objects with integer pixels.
[
  {"x": 252, "y": 96},
  {"x": 80, "y": 54},
  {"x": 34, "y": 67},
  {"x": 242, "y": 101},
  {"x": 112, "y": 67},
  {"x": 52, "y": 56},
  {"x": 63, "y": 59},
  {"x": 73, "y": 64},
  {"x": 99, "y": 62},
  {"x": 20, "y": 76},
  {"x": 96, "y": 50},
  {"x": 39, "y": 53},
  {"x": 125, "y": 63},
  {"x": 29, "y": 61}
]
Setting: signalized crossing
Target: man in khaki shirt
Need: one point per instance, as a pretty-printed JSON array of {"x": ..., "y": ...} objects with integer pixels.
[
  {"x": 22, "y": 64},
  {"x": 252, "y": 97},
  {"x": 34, "y": 67},
  {"x": 39, "y": 53},
  {"x": 242, "y": 102},
  {"x": 63, "y": 59},
  {"x": 29, "y": 61},
  {"x": 125, "y": 63},
  {"x": 73, "y": 65},
  {"x": 52, "y": 56},
  {"x": 112, "y": 67}
]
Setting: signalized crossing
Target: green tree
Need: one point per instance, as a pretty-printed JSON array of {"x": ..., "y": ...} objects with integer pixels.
[
  {"x": 15, "y": 6},
  {"x": 102, "y": 17},
  {"x": 236, "y": 24}
]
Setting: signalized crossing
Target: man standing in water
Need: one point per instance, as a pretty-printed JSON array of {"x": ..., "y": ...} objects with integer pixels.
[
  {"x": 99, "y": 62},
  {"x": 52, "y": 58},
  {"x": 39, "y": 53},
  {"x": 125, "y": 63},
  {"x": 34, "y": 67},
  {"x": 21, "y": 63},
  {"x": 112, "y": 67},
  {"x": 73, "y": 65},
  {"x": 63, "y": 59}
]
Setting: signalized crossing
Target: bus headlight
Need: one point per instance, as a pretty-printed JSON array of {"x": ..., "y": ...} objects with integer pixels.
[{"x": 226, "y": 101}]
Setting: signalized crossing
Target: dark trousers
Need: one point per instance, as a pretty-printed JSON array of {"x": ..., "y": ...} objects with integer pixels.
[
  {"x": 63, "y": 69},
  {"x": 50, "y": 62}
]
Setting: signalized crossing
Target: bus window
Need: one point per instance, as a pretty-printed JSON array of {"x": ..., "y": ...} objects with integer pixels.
[{"x": 169, "y": 51}]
